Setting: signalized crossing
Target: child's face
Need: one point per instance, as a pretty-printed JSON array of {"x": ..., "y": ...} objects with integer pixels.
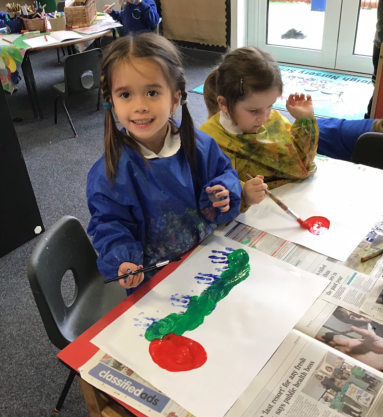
[
  {"x": 143, "y": 101},
  {"x": 251, "y": 113}
]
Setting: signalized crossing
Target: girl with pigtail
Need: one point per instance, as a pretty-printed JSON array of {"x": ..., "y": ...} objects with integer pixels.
[
  {"x": 260, "y": 142},
  {"x": 161, "y": 186}
]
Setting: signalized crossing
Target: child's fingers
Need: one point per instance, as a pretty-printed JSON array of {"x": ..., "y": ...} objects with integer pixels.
[
  {"x": 260, "y": 187},
  {"x": 225, "y": 209},
  {"x": 126, "y": 282},
  {"x": 137, "y": 279},
  {"x": 221, "y": 203},
  {"x": 256, "y": 181},
  {"x": 215, "y": 188},
  {"x": 221, "y": 194}
]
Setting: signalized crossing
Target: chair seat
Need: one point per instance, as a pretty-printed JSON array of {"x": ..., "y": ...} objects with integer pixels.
[{"x": 60, "y": 88}]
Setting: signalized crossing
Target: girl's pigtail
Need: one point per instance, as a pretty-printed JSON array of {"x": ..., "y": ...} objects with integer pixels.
[
  {"x": 187, "y": 133},
  {"x": 112, "y": 148},
  {"x": 210, "y": 93}
]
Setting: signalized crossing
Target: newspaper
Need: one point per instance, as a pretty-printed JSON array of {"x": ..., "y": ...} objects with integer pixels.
[
  {"x": 351, "y": 281},
  {"x": 373, "y": 306},
  {"x": 114, "y": 378},
  {"x": 305, "y": 378},
  {"x": 357, "y": 335}
]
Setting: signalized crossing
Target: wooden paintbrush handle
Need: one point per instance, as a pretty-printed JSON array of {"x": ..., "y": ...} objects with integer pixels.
[{"x": 281, "y": 204}]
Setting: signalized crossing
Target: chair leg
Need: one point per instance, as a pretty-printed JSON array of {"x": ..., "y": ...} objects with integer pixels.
[
  {"x": 98, "y": 98},
  {"x": 69, "y": 119},
  {"x": 65, "y": 390},
  {"x": 58, "y": 54},
  {"x": 56, "y": 109}
]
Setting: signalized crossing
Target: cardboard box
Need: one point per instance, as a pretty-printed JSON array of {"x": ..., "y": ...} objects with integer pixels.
[{"x": 57, "y": 23}]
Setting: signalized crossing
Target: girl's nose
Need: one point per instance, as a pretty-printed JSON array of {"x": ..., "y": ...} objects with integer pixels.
[
  {"x": 140, "y": 105},
  {"x": 262, "y": 117}
]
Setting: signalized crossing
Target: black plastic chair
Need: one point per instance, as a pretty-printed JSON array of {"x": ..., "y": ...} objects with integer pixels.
[
  {"x": 66, "y": 247},
  {"x": 368, "y": 150},
  {"x": 81, "y": 73}
]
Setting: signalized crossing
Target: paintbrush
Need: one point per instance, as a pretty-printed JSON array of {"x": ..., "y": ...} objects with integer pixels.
[
  {"x": 283, "y": 206},
  {"x": 372, "y": 255},
  {"x": 142, "y": 270}
]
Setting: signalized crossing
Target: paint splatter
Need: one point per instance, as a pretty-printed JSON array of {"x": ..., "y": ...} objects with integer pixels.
[
  {"x": 317, "y": 225},
  {"x": 177, "y": 353},
  {"x": 201, "y": 306},
  {"x": 180, "y": 300},
  {"x": 206, "y": 278}
]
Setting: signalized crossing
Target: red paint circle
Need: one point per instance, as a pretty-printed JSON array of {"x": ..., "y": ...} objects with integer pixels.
[
  {"x": 177, "y": 353},
  {"x": 317, "y": 225}
]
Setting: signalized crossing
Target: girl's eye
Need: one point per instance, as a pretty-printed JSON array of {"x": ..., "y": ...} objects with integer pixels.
[
  {"x": 254, "y": 111},
  {"x": 152, "y": 93},
  {"x": 125, "y": 95}
]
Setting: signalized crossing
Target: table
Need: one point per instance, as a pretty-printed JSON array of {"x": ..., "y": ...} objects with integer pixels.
[
  {"x": 26, "y": 67},
  {"x": 81, "y": 350}
]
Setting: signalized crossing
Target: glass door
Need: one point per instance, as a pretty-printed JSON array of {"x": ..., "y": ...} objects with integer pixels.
[
  {"x": 333, "y": 34},
  {"x": 356, "y": 35}
]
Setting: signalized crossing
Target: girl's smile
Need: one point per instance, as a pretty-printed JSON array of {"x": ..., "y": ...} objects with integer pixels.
[{"x": 142, "y": 123}]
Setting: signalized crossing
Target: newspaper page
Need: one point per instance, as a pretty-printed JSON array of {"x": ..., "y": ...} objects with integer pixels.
[
  {"x": 119, "y": 381},
  {"x": 307, "y": 379},
  {"x": 357, "y": 335},
  {"x": 349, "y": 286},
  {"x": 373, "y": 306}
]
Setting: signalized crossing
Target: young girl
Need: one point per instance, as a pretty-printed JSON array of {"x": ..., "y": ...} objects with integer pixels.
[
  {"x": 161, "y": 187},
  {"x": 260, "y": 142}
]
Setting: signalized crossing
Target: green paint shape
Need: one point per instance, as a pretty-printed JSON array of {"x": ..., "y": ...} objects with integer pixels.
[{"x": 202, "y": 305}]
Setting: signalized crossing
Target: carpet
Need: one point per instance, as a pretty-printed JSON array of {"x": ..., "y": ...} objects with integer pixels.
[{"x": 334, "y": 95}]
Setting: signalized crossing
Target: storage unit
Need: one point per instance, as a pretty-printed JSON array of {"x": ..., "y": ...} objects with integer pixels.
[{"x": 80, "y": 13}]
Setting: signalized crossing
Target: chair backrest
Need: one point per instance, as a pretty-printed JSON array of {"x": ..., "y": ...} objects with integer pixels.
[
  {"x": 66, "y": 246},
  {"x": 82, "y": 71},
  {"x": 369, "y": 150}
]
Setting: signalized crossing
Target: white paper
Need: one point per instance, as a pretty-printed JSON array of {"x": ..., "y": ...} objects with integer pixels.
[
  {"x": 40, "y": 41},
  {"x": 348, "y": 195},
  {"x": 11, "y": 38},
  {"x": 239, "y": 336},
  {"x": 65, "y": 35}
]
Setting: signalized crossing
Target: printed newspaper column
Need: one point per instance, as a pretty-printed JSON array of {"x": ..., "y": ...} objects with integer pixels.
[{"x": 307, "y": 379}]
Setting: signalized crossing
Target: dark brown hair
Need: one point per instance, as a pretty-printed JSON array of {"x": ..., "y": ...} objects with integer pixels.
[
  {"x": 166, "y": 56},
  {"x": 242, "y": 72}
]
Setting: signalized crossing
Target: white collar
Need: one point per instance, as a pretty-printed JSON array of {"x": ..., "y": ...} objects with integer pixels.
[
  {"x": 228, "y": 125},
  {"x": 171, "y": 146}
]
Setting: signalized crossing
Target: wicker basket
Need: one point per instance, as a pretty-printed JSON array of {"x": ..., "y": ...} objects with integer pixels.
[
  {"x": 38, "y": 23},
  {"x": 80, "y": 15}
]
